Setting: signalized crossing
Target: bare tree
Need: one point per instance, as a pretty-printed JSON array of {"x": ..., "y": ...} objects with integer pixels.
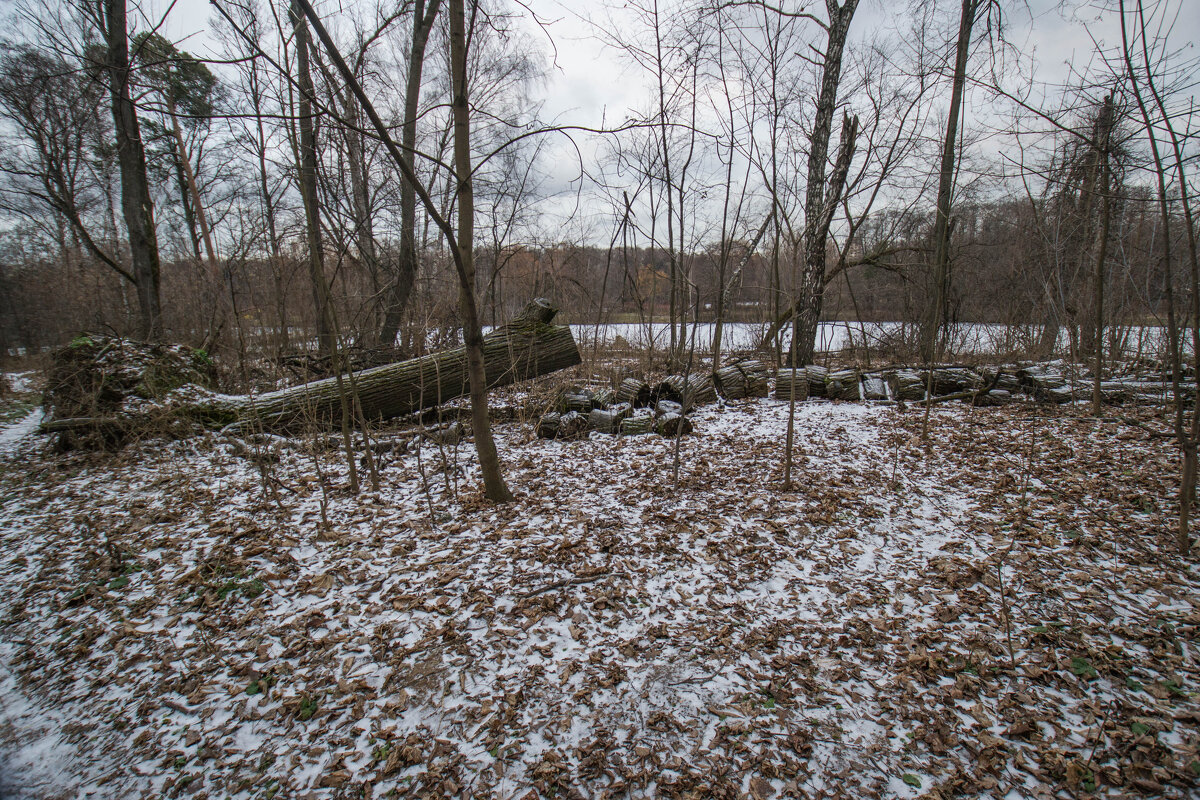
[
  {"x": 1157, "y": 120},
  {"x": 307, "y": 171},
  {"x": 137, "y": 206},
  {"x": 461, "y": 241},
  {"x": 424, "y": 16}
]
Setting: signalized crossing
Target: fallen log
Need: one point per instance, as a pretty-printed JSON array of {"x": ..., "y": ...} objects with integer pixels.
[
  {"x": 527, "y": 347},
  {"x": 635, "y": 392},
  {"x": 842, "y": 385},
  {"x": 609, "y": 420},
  {"x": 696, "y": 390},
  {"x": 791, "y": 382},
  {"x": 672, "y": 425},
  {"x": 637, "y": 425},
  {"x": 580, "y": 400},
  {"x": 745, "y": 378},
  {"x": 874, "y": 388},
  {"x": 569, "y": 426},
  {"x": 816, "y": 380}
]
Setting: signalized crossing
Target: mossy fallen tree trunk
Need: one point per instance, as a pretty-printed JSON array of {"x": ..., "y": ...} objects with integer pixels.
[{"x": 527, "y": 347}]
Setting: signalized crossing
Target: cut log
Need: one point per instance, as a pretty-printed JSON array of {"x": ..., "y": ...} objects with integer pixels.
[
  {"x": 730, "y": 382},
  {"x": 609, "y": 420},
  {"x": 569, "y": 426},
  {"x": 637, "y": 425},
  {"x": 906, "y": 384},
  {"x": 635, "y": 392},
  {"x": 842, "y": 385},
  {"x": 579, "y": 400},
  {"x": 816, "y": 380},
  {"x": 672, "y": 425},
  {"x": 755, "y": 377},
  {"x": 745, "y": 378},
  {"x": 791, "y": 382},
  {"x": 697, "y": 390},
  {"x": 547, "y": 426},
  {"x": 996, "y": 397},
  {"x": 664, "y": 407},
  {"x": 874, "y": 388}
]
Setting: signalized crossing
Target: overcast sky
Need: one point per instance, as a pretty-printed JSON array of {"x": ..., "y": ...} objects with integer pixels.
[
  {"x": 588, "y": 79},
  {"x": 589, "y": 82}
]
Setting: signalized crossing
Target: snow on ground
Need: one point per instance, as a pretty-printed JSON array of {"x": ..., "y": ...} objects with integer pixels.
[{"x": 198, "y": 617}]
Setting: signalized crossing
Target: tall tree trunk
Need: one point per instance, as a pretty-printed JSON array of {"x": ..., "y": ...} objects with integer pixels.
[
  {"x": 406, "y": 267},
  {"x": 820, "y": 201},
  {"x": 364, "y": 225},
  {"x": 192, "y": 187},
  {"x": 268, "y": 202},
  {"x": 308, "y": 185},
  {"x": 137, "y": 206},
  {"x": 489, "y": 459},
  {"x": 1188, "y": 439},
  {"x": 1103, "y": 129},
  {"x": 935, "y": 309}
]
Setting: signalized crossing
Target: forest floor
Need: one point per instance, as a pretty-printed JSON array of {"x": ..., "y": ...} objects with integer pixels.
[{"x": 997, "y": 616}]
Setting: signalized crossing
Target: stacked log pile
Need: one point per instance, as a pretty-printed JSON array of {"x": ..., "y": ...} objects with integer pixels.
[
  {"x": 581, "y": 411},
  {"x": 636, "y": 407},
  {"x": 791, "y": 383},
  {"x": 694, "y": 389},
  {"x": 741, "y": 379}
]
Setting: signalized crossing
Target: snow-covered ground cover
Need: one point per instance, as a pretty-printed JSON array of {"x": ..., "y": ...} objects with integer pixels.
[{"x": 179, "y": 619}]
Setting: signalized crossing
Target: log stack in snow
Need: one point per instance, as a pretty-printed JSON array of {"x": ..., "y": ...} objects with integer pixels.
[
  {"x": 791, "y": 383},
  {"x": 744, "y": 378},
  {"x": 635, "y": 392},
  {"x": 696, "y": 389},
  {"x": 667, "y": 418}
]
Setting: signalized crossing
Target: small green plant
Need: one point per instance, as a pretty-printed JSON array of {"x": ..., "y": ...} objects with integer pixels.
[
  {"x": 1081, "y": 668},
  {"x": 1139, "y": 728},
  {"x": 119, "y": 582},
  {"x": 259, "y": 685},
  {"x": 911, "y": 780},
  {"x": 1089, "y": 781},
  {"x": 308, "y": 707},
  {"x": 82, "y": 340},
  {"x": 202, "y": 357},
  {"x": 253, "y": 588},
  {"x": 1133, "y": 685}
]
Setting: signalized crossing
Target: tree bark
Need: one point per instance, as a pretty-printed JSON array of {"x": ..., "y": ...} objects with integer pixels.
[
  {"x": 137, "y": 207},
  {"x": 821, "y": 201},
  {"x": 494, "y": 487},
  {"x": 935, "y": 311},
  {"x": 406, "y": 267},
  {"x": 307, "y": 169},
  {"x": 1103, "y": 128}
]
